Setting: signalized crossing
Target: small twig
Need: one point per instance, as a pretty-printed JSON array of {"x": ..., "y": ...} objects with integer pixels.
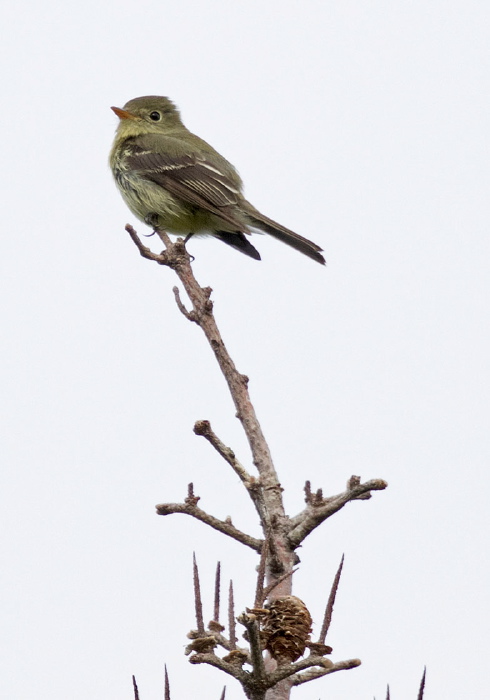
[
  {"x": 278, "y": 581},
  {"x": 213, "y": 660},
  {"x": 197, "y": 597},
  {"x": 190, "y": 316},
  {"x": 388, "y": 696},
  {"x": 161, "y": 258},
  {"x": 223, "y": 694},
  {"x": 327, "y": 618},
  {"x": 223, "y": 526},
  {"x": 420, "y": 696},
  {"x": 231, "y": 617},
  {"x": 318, "y": 673},
  {"x": 203, "y": 427},
  {"x": 192, "y": 499},
  {"x": 313, "y": 499},
  {"x": 167, "y": 685},
  {"x": 135, "y": 689},
  {"x": 313, "y": 515},
  {"x": 251, "y": 624},
  {"x": 217, "y": 584},
  {"x": 264, "y": 555}
]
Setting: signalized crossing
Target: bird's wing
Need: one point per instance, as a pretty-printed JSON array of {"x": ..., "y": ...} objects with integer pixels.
[{"x": 191, "y": 177}]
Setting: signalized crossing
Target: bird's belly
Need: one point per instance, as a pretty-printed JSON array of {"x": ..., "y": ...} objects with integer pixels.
[{"x": 146, "y": 199}]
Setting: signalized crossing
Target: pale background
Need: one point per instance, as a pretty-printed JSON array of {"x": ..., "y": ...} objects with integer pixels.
[{"x": 362, "y": 125}]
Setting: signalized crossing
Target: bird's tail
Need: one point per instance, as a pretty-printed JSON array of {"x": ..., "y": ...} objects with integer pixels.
[
  {"x": 238, "y": 241},
  {"x": 263, "y": 223}
]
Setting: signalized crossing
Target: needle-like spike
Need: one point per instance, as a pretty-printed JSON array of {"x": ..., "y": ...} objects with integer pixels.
[
  {"x": 327, "y": 618},
  {"x": 217, "y": 585},
  {"x": 197, "y": 597},
  {"x": 135, "y": 688},
  {"x": 167, "y": 685},
  {"x": 420, "y": 696},
  {"x": 231, "y": 617}
]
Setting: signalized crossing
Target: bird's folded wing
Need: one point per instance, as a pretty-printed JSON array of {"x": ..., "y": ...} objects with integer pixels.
[{"x": 191, "y": 177}]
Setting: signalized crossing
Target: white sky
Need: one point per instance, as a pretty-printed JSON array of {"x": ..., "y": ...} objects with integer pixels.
[{"x": 362, "y": 125}]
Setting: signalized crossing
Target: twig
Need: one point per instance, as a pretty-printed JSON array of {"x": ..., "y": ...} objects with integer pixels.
[
  {"x": 318, "y": 673},
  {"x": 251, "y": 624},
  {"x": 145, "y": 252},
  {"x": 167, "y": 685},
  {"x": 272, "y": 586},
  {"x": 325, "y": 665},
  {"x": 213, "y": 660},
  {"x": 314, "y": 515},
  {"x": 223, "y": 526},
  {"x": 203, "y": 427},
  {"x": 259, "y": 590},
  {"x": 327, "y": 618}
]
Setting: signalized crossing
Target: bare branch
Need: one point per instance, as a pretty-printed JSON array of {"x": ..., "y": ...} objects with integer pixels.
[
  {"x": 167, "y": 685},
  {"x": 213, "y": 660},
  {"x": 160, "y": 258},
  {"x": 251, "y": 624},
  {"x": 188, "y": 314},
  {"x": 282, "y": 534},
  {"x": 223, "y": 694},
  {"x": 197, "y": 597},
  {"x": 327, "y": 618},
  {"x": 318, "y": 673},
  {"x": 388, "y": 696},
  {"x": 203, "y": 427},
  {"x": 223, "y": 526},
  {"x": 313, "y": 515},
  {"x": 177, "y": 258}
]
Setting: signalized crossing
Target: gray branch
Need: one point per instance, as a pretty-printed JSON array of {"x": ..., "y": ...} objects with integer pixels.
[
  {"x": 221, "y": 525},
  {"x": 319, "y": 510},
  {"x": 315, "y": 673}
]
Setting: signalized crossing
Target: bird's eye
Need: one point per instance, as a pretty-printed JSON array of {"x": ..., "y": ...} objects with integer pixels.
[{"x": 155, "y": 116}]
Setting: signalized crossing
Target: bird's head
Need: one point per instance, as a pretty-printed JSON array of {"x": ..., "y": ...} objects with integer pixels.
[{"x": 145, "y": 115}]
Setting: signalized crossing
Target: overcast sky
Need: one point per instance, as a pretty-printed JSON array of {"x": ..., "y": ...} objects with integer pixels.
[{"x": 361, "y": 125}]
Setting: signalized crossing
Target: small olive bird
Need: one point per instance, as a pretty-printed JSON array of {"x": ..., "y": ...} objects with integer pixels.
[{"x": 175, "y": 181}]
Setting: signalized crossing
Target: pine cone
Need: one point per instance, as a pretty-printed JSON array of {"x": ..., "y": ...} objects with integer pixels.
[{"x": 286, "y": 629}]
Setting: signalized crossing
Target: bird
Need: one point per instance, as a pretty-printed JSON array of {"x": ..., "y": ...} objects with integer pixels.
[{"x": 176, "y": 182}]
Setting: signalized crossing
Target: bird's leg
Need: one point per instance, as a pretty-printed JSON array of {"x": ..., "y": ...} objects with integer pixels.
[
  {"x": 151, "y": 219},
  {"x": 187, "y": 238}
]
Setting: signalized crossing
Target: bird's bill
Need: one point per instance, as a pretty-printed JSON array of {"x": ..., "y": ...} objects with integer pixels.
[{"x": 122, "y": 114}]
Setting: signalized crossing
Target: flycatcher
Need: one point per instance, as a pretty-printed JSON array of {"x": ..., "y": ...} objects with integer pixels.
[{"x": 175, "y": 181}]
